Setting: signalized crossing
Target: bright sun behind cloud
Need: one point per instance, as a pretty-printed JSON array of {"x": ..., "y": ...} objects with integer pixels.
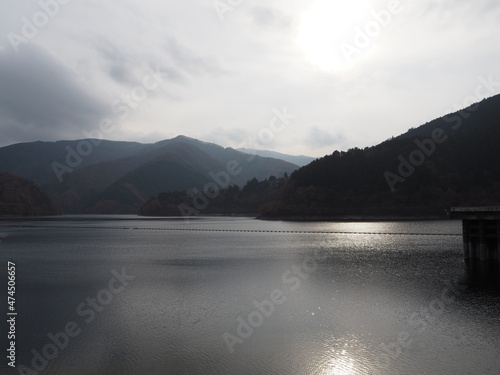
[{"x": 325, "y": 26}]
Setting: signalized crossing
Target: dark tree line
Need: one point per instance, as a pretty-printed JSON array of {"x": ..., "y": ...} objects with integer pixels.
[
  {"x": 232, "y": 200},
  {"x": 460, "y": 166}
]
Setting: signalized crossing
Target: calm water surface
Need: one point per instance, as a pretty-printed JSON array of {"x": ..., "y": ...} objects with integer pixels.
[{"x": 241, "y": 296}]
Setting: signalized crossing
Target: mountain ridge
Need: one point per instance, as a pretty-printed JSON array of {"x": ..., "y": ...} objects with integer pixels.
[
  {"x": 78, "y": 174},
  {"x": 449, "y": 161},
  {"x": 300, "y": 160}
]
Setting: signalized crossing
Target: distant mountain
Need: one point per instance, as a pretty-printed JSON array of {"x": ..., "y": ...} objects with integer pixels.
[
  {"x": 117, "y": 177},
  {"x": 35, "y": 160},
  {"x": 20, "y": 197},
  {"x": 299, "y": 160},
  {"x": 451, "y": 161},
  {"x": 184, "y": 163}
]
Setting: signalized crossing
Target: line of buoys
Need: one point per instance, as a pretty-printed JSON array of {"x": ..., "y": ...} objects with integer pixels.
[{"x": 230, "y": 230}]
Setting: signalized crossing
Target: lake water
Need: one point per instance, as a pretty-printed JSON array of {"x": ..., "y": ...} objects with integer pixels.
[{"x": 126, "y": 295}]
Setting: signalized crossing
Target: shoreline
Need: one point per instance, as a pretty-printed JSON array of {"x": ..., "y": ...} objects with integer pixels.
[
  {"x": 352, "y": 218},
  {"x": 295, "y": 218}
]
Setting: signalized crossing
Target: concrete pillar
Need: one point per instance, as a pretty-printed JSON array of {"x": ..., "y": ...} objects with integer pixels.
[
  {"x": 473, "y": 239},
  {"x": 498, "y": 240},
  {"x": 474, "y": 244},
  {"x": 483, "y": 246},
  {"x": 481, "y": 233},
  {"x": 466, "y": 238},
  {"x": 492, "y": 240}
]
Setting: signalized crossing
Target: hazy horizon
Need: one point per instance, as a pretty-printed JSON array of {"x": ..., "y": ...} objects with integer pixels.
[
  {"x": 341, "y": 75},
  {"x": 206, "y": 141}
]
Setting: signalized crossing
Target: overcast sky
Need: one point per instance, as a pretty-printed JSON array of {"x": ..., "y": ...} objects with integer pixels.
[{"x": 221, "y": 73}]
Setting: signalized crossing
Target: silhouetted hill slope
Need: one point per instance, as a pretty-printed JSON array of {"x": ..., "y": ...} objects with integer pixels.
[
  {"x": 20, "y": 197},
  {"x": 450, "y": 161}
]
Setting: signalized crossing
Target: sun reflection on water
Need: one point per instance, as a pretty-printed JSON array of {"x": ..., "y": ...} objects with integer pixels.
[
  {"x": 341, "y": 364},
  {"x": 340, "y": 358}
]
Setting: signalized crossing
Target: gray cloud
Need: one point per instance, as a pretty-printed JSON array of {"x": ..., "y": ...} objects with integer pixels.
[
  {"x": 222, "y": 80},
  {"x": 117, "y": 66},
  {"x": 121, "y": 74},
  {"x": 270, "y": 18},
  {"x": 109, "y": 51},
  {"x": 40, "y": 99},
  {"x": 318, "y": 137},
  {"x": 190, "y": 61}
]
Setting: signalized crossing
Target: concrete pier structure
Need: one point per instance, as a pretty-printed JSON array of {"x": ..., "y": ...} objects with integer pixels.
[{"x": 481, "y": 232}]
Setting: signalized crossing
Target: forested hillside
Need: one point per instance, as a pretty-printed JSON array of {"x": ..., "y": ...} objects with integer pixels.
[
  {"x": 20, "y": 197},
  {"x": 108, "y": 177},
  {"x": 232, "y": 200},
  {"x": 451, "y": 161}
]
